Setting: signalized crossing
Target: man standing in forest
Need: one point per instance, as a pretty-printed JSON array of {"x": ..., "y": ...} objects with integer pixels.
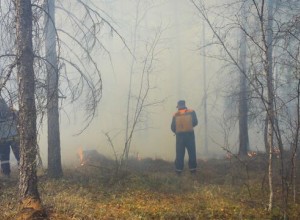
[
  {"x": 8, "y": 136},
  {"x": 183, "y": 123}
]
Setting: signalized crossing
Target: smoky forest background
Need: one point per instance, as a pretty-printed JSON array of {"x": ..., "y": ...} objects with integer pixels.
[{"x": 96, "y": 83}]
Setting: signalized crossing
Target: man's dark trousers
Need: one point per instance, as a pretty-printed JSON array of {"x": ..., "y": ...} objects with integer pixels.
[
  {"x": 4, "y": 157},
  {"x": 185, "y": 140}
]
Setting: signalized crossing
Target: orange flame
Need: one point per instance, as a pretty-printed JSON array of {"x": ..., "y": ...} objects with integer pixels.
[
  {"x": 252, "y": 154},
  {"x": 80, "y": 154},
  {"x": 228, "y": 156},
  {"x": 138, "y": 157}
]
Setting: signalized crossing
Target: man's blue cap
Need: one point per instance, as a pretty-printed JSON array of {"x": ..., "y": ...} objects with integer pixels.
[{"x": 181, "y": 104}]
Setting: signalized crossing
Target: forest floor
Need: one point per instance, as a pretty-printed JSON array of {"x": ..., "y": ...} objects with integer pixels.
[{"x": 149, "y": 189}]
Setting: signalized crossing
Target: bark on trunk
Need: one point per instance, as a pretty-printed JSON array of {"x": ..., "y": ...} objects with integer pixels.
[
  {"x": 243, "y": 99},
  {"x": 29, "y": 195},
  {"x": 270, "y": 98},
  {"x": 54, "y": 151}
]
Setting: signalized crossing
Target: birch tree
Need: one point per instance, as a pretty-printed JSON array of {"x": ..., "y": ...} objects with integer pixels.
[
  {"x": 267, "y": 39},
  {"x": 262, "y": 37}
]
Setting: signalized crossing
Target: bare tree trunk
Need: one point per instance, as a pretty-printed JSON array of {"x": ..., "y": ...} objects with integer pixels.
[
  {"x": 243, "y": 99},
  {"x": 270, "y": 167},
  {"x": 29, "y": 195},
  {"x": 263, "y": 84},
  {"x": 270, "y": 99},
  {"x": 54, "y": 154},
  {"x": 205, "y": 94},
  {"x": 295, "y": 146},
  {"x": 133, "y": 63},
  {"x": 266, "y": 133},
  {"x": 283, "y": 173}
]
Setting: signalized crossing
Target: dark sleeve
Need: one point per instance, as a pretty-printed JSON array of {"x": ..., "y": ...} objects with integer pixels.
[
  {"x": 4, "y": 109},
  {"x": 194, "y": 118},
  {"x": 173, "y": 125}
]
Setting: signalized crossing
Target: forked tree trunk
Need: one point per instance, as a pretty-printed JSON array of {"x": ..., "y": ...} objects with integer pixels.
[
  {"x": 54, "y": 151},
  {"x": 29, "y": 195}
]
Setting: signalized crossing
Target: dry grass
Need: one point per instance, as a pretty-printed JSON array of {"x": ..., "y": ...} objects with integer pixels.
[{"x": 150, "y": 190}]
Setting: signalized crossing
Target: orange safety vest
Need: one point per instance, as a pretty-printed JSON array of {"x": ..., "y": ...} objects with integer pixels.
[{"x": 183, "y": 120}]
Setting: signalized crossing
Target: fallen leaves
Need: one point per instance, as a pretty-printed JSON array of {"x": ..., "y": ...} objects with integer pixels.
[{"x": 147, "y": 195}]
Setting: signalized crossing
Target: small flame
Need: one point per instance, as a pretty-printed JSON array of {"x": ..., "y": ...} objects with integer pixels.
[
  {"x": 252, "y": 154},
  {"x": 276, "y": 151},
  {"x": 80, "y": 154},
  {"x": 228, "y": 156},
  {"x": 138, "y": 157}
]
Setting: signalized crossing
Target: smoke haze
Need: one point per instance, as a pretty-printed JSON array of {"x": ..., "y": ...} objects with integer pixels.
[{"x": 176, "y": 73}]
